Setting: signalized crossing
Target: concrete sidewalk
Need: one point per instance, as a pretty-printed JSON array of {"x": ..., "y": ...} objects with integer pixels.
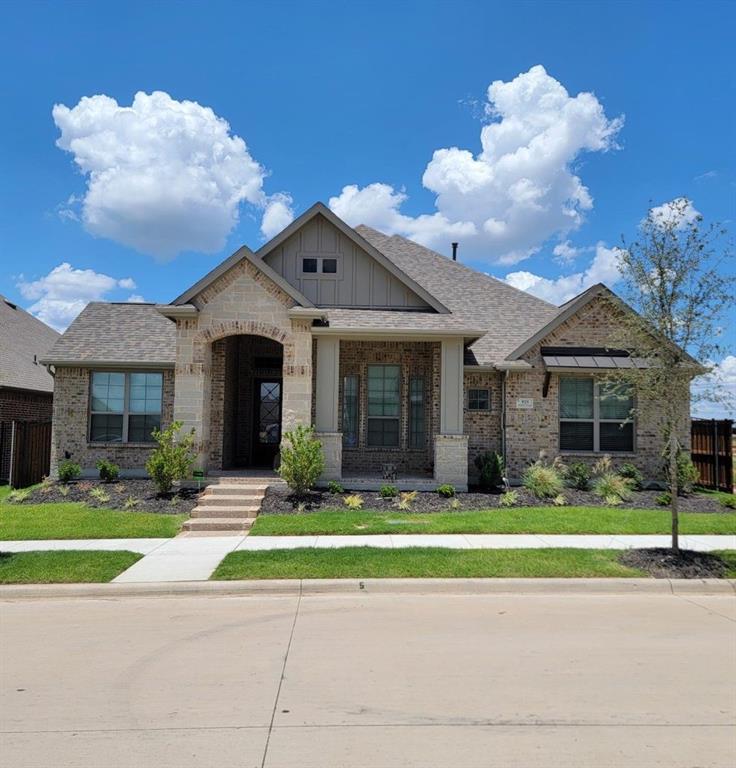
[{"x": 195, "y": 558}]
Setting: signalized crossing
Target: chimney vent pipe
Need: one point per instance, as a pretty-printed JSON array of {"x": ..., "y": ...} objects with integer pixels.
[{"x": 454, "y": 251}]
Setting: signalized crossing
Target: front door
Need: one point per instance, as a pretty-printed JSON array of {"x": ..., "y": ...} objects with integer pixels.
[{"x": 266, "y": 421}]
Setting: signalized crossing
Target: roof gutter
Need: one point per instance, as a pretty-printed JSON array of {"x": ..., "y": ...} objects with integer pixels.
[
  {"x": 177, "y": 311},
  {"x": 110, "y": 365},
  {"x": 513, "y": 366}
]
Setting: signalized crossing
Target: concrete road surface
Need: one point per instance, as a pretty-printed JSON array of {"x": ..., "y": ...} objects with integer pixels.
[{"x": 337, "y": 681}]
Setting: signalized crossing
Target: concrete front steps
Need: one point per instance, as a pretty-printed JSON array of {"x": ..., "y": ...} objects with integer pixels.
[{"x": 228, "y": 504}]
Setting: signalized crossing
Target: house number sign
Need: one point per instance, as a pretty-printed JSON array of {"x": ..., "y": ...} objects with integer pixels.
[{"x": 525, "y": 403}]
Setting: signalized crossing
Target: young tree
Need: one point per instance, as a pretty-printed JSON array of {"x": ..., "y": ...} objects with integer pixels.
[{"x": 674, "y": 275}]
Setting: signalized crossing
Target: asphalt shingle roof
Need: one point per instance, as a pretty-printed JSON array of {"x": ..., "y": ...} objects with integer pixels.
[
  {"x": 399, "y": 320},
  {"x": 23, "y": 337},
  {"x": 509, "y": 315},
  {"x": 117, "y": 333}
]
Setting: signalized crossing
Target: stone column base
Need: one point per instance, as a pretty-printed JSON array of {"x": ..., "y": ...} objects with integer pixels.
[
  {"x": 332, "y": 450},
  {"x": 451, "y": 461}
]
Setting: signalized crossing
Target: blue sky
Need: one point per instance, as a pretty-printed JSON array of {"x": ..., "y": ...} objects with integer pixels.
[{"x": 636, "y": 104}]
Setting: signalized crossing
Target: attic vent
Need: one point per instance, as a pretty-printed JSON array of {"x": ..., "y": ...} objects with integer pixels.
[{"x": 10, "y": 304}]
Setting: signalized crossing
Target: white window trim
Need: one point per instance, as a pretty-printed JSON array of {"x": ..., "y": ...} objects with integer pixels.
[
  {"x": 368, "y": 417},
  {"x": 126, "y": 408},
  {"x": 319, "y": 274},
  {"x": 596, "y": 420}
]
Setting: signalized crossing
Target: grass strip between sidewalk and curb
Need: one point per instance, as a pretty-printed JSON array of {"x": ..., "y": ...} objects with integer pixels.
[
  {"x": 24, "y": 522},
  {"x": 421, "y": 562},
  {"x": 64, "y": 566},
  {"x": 543, "y": 520}
]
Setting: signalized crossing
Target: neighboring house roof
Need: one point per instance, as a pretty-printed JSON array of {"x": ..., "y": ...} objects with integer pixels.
[
  {"x": 23, "y": 340},
  {"x": 509, "y": 316},
  {"x": 116, "y": 334}
]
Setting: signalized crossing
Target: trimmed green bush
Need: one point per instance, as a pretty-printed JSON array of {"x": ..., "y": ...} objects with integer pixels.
[
  {"x": 509, "y": 498},
  {"x": 663, "y": 499},
  {"x": 729, "y": 501},
  {"x": 578, "y": 475},
  {"x": 173, "y": 458},
  {"x": 109, "y": 472},
  {"x": 388, "y": 491},
  {"x": 447, "y": 491},
  {"x": 543, "y": 480},
  {"x": 69, "y": 470},
  {"x": 631, "y": 473},
  {"x": 334, "y": 487},
  {"x": 302, "y": 460},
  {"x": 490, "y": 466}
]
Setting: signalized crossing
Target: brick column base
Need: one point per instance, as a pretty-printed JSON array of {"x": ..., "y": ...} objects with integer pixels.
[{"x": 451, "y": 461}]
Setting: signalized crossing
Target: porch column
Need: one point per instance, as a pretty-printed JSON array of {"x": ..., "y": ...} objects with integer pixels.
[
  {"x": 451, "y": 445},
  {"x": 192, "y": 395},
  {"x": 296, "y": 401},
  {"x": 327, "y": 403}
]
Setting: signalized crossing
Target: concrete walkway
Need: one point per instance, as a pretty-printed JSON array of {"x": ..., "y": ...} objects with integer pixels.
[{"x": 195, "y": 558}]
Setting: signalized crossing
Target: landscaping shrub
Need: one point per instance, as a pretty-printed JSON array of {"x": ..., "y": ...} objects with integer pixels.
[
  {"x": 131, "y": 503},
  {"x": 687, "y": 473},
  {"x": 543, "y": 480},
  {"x": 69, "y": 470},
  {"x": 19, "y": 495},
  {"x": 334, "y": 487},
  {"x": 664, "y": 499},
  {"x": 729, "y": 502},
  {"x": 603, "y": 466},
  {"x": 509, "y": 498},
  {"x": 631, "y": 473},
  {"x": 354, "y": 501},
  {"x": 388, "y": 491},
  {"x": 612, "y": 500},
  {"x": 559, "y": 500},
  {"x": 490, "y": 466},
  {"x": 578, "y": 475},
  {"x": 173, "y": 459},
  {"x": 109, "y": 471},
  {"x": 302, "y": 460},
  {"x": 446, "y": 490},
  {"x": 455, "y": 504},
  {"x": 407, "y": 499},
  {"x": 609, "y": 485}
]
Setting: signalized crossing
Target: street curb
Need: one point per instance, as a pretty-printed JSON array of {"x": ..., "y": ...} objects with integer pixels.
[{"x": 294, "y": 587}]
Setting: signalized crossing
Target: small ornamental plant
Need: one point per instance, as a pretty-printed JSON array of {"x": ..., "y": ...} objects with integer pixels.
[
  {"x": 446, "y": 490},
  {"x": 388, "y": 491},
  {"x": 69, "y": 470},
  {"x": 302, "y": 460},
  {"x": 509, "y": 498},
  {"x": 633, "y": 474},
  {"x": 109, "y": 472},
  {"x": 543, "y": 480},
  {"x": 334, "y": 487},
  {"x": 173, "y": 458},
  {"x": 354, "y": 501},
  {"x": 490, "y": 469},
  {"x": 578, "y": 475},
  {"x": 406, "y": 500}
]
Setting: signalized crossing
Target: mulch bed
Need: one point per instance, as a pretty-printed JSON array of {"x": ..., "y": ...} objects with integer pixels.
[
  {"x": 666, "y": 564},
  {"x": 280, "y": 502},
  {"x": 179, "y": 501}
]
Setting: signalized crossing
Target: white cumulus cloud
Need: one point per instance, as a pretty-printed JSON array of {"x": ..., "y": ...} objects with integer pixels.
[
  {"x": 277, "y": 215},
  {"x": 565, "y": 252},
  {"x": 518, "y": 191},
  {"x": 163, "y": 176},
  {"x": 64, "y": 292},
  {"x": 603, "y": 268},
  {"x": 679, "y": 211},
  {"x": 721, "y": 380}
]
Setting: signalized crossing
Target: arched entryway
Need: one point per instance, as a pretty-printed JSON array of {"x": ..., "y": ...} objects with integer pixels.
[{"x": 247, "y": 393}]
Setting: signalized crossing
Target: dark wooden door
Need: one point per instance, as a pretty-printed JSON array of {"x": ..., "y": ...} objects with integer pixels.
[{"x": 266, "y": 421}]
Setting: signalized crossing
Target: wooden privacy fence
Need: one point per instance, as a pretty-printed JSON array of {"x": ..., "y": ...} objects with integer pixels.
[
  {"x": 25, "y": 452},
  {"x": 712, "y": 452}
]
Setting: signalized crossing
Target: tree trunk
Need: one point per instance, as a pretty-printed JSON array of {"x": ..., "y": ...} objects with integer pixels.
[{"x": 673, "y": 494}]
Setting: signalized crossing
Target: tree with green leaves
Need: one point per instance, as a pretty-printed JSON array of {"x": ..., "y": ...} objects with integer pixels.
[{"x": 675, "y": 277}]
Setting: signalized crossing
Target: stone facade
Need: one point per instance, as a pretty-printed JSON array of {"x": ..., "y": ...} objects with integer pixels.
[
  {"x": 70, "y": 430},
  {"x": 451, "y": 461},
  {"x": 243, "y": 301},
  {"x": 530, "y": 431},
  {"x": 483, "y": 428},
  {"x": 417, "y": 359}
]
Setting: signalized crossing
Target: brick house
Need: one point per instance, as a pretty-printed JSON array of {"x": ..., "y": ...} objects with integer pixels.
[
  {"x": 26, "y": 387},
  {"x": 398, "y": 356}
]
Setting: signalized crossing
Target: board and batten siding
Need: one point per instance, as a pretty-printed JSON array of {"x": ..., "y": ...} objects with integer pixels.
[{"x": 360, "y": 280}]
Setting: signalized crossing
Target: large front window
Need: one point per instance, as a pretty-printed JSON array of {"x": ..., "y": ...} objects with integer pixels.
[
  {"x": 125, "y": 407},
  {"x": 596, "y": 416},
  {"x": 383, "y": 406}
]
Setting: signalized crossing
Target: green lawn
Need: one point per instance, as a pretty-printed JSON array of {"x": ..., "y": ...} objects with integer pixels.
[
  {"x": 75, "y": 521},
  {"x": 65, "y": 567},
  {"x": 604, "y": 520},
  {"x": 721, "y": 496},
  {"x": 426, "y": 562}
]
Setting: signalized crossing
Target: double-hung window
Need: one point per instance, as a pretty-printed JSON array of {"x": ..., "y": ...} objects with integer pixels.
[
  {"x": 383, "y": 406},
  {"x": 125, "y": 407},
  {"x": 595, "y": 416}
]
